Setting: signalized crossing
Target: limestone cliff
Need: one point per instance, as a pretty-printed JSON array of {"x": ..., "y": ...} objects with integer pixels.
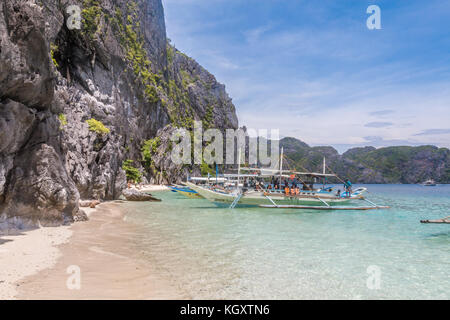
[{"x": 76, "y": 103}]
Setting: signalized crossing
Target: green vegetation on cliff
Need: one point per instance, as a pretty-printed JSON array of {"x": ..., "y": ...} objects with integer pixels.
[
  {"x": 206, "y": 169},
  {"x": 133, "y": 173},
  {"x": 132, "y": 41},
  {"x": 150, "y": 148},
  {"x": 62, "y": 120},
  {"x": 91, "y": 15},
  {"x": 180, "y": 109},
  {"x": 208, "y": 119},
  {"x": 53, "y": 50},
  {"x": 97, "y": 127}
]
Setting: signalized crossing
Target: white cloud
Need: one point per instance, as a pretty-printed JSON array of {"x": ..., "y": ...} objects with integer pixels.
[
  {"x": 378, "y": 124},
  {"x": 254, "y": 35},
  {"x": 433, "y": 132}
]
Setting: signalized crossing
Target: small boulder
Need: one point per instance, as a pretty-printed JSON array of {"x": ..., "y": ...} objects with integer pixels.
[
  {"x": 135, "y": 195},
  {"x": 80, "y": 216}
]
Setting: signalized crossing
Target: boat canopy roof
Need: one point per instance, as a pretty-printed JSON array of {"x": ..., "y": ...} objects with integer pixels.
[
  {"x": 234, "y": 175},
  {"x": 212, "y": 178},
  {"x": 252, "y": 175},
  {"x": 314, "y": 174},
  {"x": 276, "y": 172}
]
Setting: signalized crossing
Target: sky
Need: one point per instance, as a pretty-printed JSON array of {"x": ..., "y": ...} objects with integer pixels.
[{"x": 315, "y": 71}]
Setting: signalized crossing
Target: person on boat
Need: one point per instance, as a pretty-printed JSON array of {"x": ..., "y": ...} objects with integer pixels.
[
  {"x": 245, "y": 185},
  {"x": 338, "y": 194},
  {"x": 285, "y": 185},
  {"x": 348, "y": 187},
  {"x": 292, "y": 190},
  {"x": 258, "y": 186},
  {"x": 286, "y": 190}
]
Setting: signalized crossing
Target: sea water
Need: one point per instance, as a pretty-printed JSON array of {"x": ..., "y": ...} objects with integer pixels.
[{"x": 208, "y": 252}]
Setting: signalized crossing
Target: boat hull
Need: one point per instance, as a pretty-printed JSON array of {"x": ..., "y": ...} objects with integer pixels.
[
  {"x": 187, "y": 192},
  {"x": 256, "y": 198},
  {"x": 429, "y": 183}
]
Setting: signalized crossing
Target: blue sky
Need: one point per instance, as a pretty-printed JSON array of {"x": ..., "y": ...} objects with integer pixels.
[{"x": 315, "y": 71}]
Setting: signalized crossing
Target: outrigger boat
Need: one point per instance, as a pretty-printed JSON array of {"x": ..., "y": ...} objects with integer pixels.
[
  {"x": 429, "y": 183},
  {"x": 269, "y": 197},
  {"x": 185, "y": 191},
  {"x": 188, "y": 192},
  {"x": 272, "y": 196}
]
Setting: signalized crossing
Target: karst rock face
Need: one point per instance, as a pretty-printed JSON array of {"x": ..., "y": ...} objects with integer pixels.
[{"x": 118, "y": 69}]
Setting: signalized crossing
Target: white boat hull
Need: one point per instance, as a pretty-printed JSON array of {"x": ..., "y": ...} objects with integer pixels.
[{"x": 256, "y": 198}]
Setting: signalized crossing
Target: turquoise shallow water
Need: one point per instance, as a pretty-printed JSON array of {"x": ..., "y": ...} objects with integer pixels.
[{"x": 214, "y": 253}]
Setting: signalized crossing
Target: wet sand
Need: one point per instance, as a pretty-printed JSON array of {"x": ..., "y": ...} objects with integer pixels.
[{"x": 102, "y": 250}]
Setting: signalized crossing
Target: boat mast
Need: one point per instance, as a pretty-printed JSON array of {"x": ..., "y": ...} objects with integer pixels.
[
  {"x": 324, "y": 165},
  {"x": 239, "y": 166},
  {"x": 324, "y": 170},
  {"x": 281, "y": 164}
]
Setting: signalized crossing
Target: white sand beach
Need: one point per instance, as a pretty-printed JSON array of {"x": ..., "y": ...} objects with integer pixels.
[
  {"x": 102, "y": 250},
  {"x": 27, "y": 253},
  {"x": 34, "y": 262}
]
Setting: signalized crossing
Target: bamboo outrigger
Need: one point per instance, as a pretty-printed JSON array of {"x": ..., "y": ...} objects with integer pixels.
[
  {"x": 445, "y": 220},
  {"x": 323, "y": 200},
  {"x": 323, "y": 207}
]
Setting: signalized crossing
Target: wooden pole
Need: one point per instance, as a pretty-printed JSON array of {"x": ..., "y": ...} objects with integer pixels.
[
  {"x": 239, "y": 166},
  {"x": 324, "y": 165},
  {"x": 281, "y": 164},
  {"x": 444, "y": 220}
]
